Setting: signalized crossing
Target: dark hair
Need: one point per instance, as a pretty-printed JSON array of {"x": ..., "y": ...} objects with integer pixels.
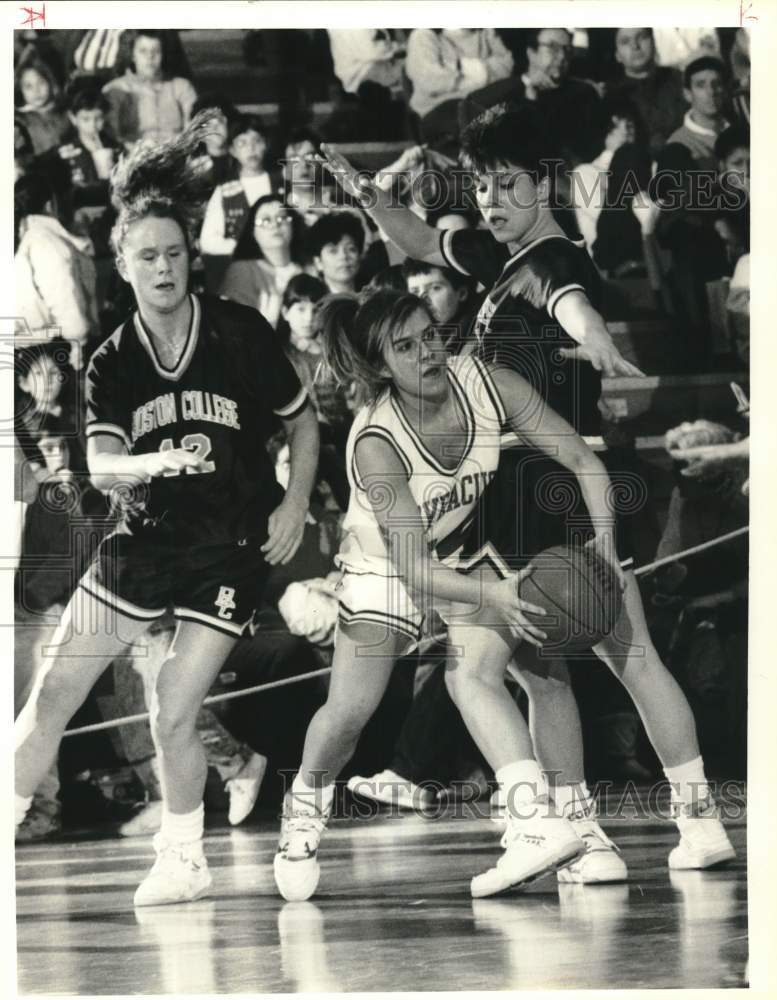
[
  {"x": 85, "y": 96},
  {"x": 390, "y": 277},
  {"x": 531, "y": 38},
  {"x": 215, "y": 102},
  {"x": 410, "y": 268},
  {"x": 702, "y": 63},
  {"x": 31, "y": 194},
  {"x": 510, "y": 135},
  {"x": 332, "y": 227},
  {"x": 615, "y": 107},
  {"x": 22, "y": 147},
  {"x": 46, "y": 72},
  {"x": 301, "y": 288},
  {"x": 127, "y": 41},
  {"x": 242, "y": 124},
  {"x": 247, "y": 247},
  {"x": 302, "y": 133},
  {"x": 161, "y": 180},
  {"x": 734, "y": 137},
  {"x": 354, "y": 333}
]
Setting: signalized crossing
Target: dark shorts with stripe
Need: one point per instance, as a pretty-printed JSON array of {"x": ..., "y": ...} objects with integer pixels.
[
  {"x": 218, "y": 584},
  {"x": 534, "y": 503}
]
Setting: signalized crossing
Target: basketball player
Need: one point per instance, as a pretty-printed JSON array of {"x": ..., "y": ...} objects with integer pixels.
[
  {"x": 180, "y": 401},
  {"x": 419, "y": 456},
  {"x": 540, "y": 318}
]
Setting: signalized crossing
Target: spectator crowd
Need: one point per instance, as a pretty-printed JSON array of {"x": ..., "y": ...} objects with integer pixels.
[{"x": 650, "y": 129}]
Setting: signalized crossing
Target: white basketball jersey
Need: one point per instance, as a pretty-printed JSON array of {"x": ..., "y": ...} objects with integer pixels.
[{"x": 447, "y": 495}]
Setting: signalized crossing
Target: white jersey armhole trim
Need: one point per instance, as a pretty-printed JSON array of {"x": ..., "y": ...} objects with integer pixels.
[
  {"x": 369, "y": 431},
  {"x": 553, "y": 300},
  {"x": 491, "y": 389},
  {"x": 446, "y": 249}
]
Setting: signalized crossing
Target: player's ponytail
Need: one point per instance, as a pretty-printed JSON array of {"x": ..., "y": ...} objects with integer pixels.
[
  {"x": 354, "y": 334},
  {"x": 162, "y": 180}
]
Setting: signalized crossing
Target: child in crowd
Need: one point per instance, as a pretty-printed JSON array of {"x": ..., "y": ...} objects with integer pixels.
[
  {"x": 337, "y": 245},
  {"x": 146, "y": 102},
  {"x": 229, "y": 206},
  {"x": 217, "y": 165},
  {"x": 306, "y": 186},
  {"x": 448, "y": 295},
  {"x": 37, "y": 97}
]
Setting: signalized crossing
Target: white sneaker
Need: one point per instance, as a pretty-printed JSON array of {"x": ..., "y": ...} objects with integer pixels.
[
  {"x": 147, "y": 821},
  {"x": 296, "y": 865},
  {"x": 180, "y": 874},
  {"x": 533, "y": 848},
  {"x": 391, "y": 789},
  {"x": 244, "y": 788},
  {"x": 602, "y": 861},
  {"x": 703, "y": 840}
]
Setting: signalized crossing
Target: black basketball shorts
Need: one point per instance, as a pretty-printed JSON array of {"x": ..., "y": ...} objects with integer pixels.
[{"x": 216, "y": 584}]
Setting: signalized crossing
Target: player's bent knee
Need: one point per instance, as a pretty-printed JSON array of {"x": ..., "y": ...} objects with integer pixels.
[
  {"x": 60, "y": 693},
  {"x": 171, "y": 726}
]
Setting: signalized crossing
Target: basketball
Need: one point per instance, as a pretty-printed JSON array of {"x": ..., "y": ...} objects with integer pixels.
[{"x": 580, "y": 593}]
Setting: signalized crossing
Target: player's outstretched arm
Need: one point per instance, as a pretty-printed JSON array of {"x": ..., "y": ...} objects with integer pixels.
[
  {"x": 585, "y": 325},
  {"x": 384, "y": 479},
  {"x": 403, "y": 227},
  {"x": 110, "y": 464},
  {"x": 530, "y": 417},
  {"x": 286, "y": 524}
]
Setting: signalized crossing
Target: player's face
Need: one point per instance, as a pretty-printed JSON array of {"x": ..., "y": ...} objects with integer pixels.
[
  {"x": 299, "y": 316},
  {"x": 439, "y": 295},
  {"x": 339, "y": 262},
  {"x": 707, "y": 93},
  {"x": 35, "y": 88},
  {"x": 507, "y": 198},
  {"x": 415, "y": 358},
  {"x": 634, "y": 49},
  {"x": 155, "y": 261},
  {"x": 147, "y": 57}
]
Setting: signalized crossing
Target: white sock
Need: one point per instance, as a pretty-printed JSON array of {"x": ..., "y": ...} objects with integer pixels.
[
  {"x": 21, "y": 805},
  {"x": 521, "y": 782},
  {"x": 311, "y": 798},
  {"x": 571, "y": 798},
  {"x": 688, "y": 781},
  {"x": 183, "y": 828}
]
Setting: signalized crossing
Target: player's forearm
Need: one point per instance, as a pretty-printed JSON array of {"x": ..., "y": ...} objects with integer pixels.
[
  {"x": 107, "y": 471},
  {"x": 427, "y": 578},
  {"x": 403, "y": 227},
  {"x": 303, "y": 455}
]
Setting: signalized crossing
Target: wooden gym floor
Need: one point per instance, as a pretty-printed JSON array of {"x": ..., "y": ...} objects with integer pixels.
[{"x": 393, "y": 913}]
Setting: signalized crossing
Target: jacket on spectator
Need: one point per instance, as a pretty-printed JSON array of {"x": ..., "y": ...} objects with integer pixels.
[
  {"x": 674, "y": 46},
  {"x": 258, "y": 284},
  {"x": 366, "y": 54},
  {"x": 445, "y": 65},
  {"x": 699, "y": 140},
  {"x": 227, "y": 210},
  {"x": 55, "y": 281},
  {"x": 145, "y": 109},
  {"x": 659, "y": 99},
  {"x": 46, "y": 126}
]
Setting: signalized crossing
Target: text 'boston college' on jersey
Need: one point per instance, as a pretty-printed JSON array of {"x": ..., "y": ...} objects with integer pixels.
[
  {"x": 218, "y": 402},
  {"x": 447, "y": 497}
]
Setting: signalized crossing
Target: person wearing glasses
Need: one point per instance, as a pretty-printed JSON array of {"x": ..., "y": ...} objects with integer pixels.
[
  {"x": 269, "y": 252},
  {"x": 572, "y": 107}
]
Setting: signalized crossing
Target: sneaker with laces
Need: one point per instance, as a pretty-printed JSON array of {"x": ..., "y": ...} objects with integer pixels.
[
  {"x": 295, "y": 864},
  {"x": 602, "y": 861},
  {"x": 180, "y": 874},
  {"x": 244, "y": 788},
  {"x": 703, "y": 840},
  {"x": 533, "y": 848},
  {"x": 391, "y": 789}
]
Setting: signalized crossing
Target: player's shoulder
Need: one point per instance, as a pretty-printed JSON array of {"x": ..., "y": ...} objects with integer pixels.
[
  {"x": 233, "y": 319},
  {"x": 115, "y": 346}
]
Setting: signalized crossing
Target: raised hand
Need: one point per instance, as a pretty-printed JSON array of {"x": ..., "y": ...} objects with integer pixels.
[
  {"x": 604, "y": 356},
  {"x": 354, "y": 182}
]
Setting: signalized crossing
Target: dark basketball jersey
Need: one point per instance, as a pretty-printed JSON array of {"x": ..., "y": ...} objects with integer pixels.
[
  {"x": 218, "y": 402},
  {"x": 516, "y": 325}
]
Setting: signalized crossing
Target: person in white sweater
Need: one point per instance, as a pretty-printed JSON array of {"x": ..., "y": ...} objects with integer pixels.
[
  {"x": 449, "y": 63},
  {"x": 374, "y": 54}
]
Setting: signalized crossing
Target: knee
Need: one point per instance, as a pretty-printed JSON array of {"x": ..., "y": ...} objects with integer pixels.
[
  {"x": 461, "y": 678},
  {"x": 170, "y": 724},
  {"x": 547, "y": 684},
  {"x": 58, "y": 693}
]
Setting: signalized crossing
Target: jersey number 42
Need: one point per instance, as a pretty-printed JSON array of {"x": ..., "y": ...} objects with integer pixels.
[{"x": 199, "y": 444}]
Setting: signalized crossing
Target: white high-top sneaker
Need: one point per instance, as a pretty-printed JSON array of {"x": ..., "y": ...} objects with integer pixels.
[
  {"x": 703, "y": 840},
  {"x": 244, "y": 788},
  {"x": 391, "y": 789},
  {"x": 180, "y": 874},
  {"x": 296, "y": 865},
  {"x": 602, "y": 861},
  {"x": 533, "y": 848}
]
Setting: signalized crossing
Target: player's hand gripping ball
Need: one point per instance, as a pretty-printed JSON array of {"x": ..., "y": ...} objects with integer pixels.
[{"x": 580, "y": 592}]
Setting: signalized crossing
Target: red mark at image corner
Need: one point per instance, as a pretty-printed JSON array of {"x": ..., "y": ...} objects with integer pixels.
[
  {"x": 744, "y": 7},
  {"x": 34, "y": 16}
]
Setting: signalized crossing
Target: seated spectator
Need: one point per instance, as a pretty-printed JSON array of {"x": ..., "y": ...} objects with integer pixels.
[
  {"x": 675, "y": 46},
  {"x": 571, "y": 107},
  {"x": 37, "y": 99},
  {"x": 449, "y": 296},
  {"x": 306, "y": 186},
  {"x": 217, "y": 165},
  {"x": 374, "y": 54},
  {"x": 230, "y": 204},
  {"x": 656, "y": 91},
  {"x": 336, "y": 245},
  {"x": 54, "y": 272},
  {"x": 732, "y": 220},
  {"x": 271, "y": 250},
  {"x": 147, "y": 102},
  {"x": 446, "y": 64},
  {"x": 706, "y": 92}
]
